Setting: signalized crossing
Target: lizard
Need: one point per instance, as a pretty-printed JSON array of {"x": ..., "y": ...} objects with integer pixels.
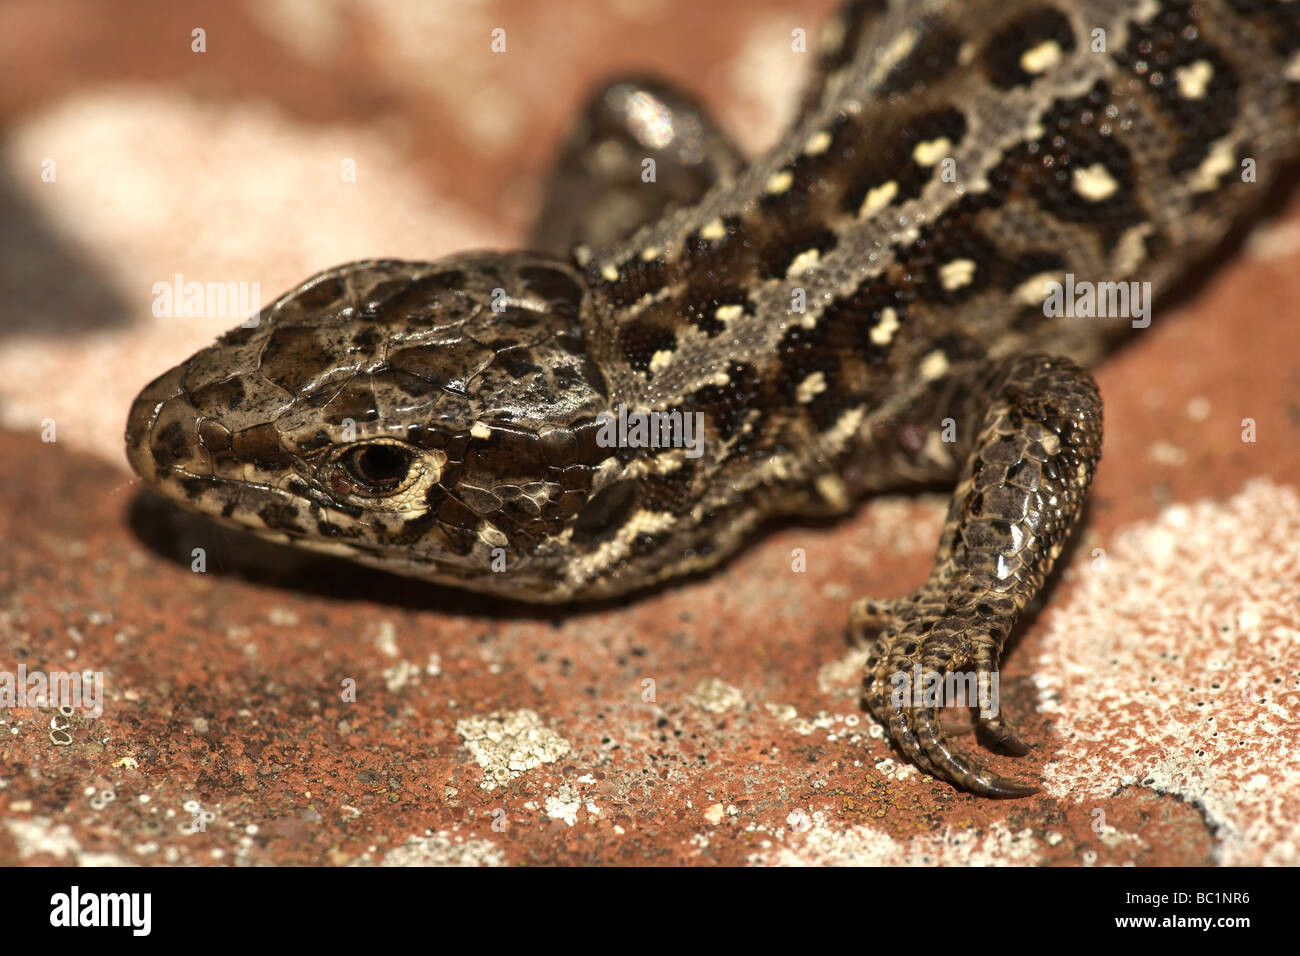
[{"x": 862, "y": 308}]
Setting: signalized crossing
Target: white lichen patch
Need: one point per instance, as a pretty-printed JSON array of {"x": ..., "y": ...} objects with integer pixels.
[
  {"x": 891, "y": 769},
  {"x": 1166, "y": 453},
  {"x": 509, "y": 743},
  {"x": 398, "y": 676},
  {"x": 716, "y": 696},
  {"x": 843, "y": 674},
  {"x": 804, "y": 726},
  {"x": 813, "y": 841},
  {"x": 39, "y": 836},
  {"x": 439, "y": 849},
  {"x": 1174, "y": 668},
  {"x": 386, "y": 638},
  {"x": 564, "y": 805}
]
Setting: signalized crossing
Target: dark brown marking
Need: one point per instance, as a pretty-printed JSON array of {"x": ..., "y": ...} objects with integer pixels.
[
  {"x": 932, "y": 58},
  {"x": 1169, "y": 42},
  {"x": 1003, "y": 53}
]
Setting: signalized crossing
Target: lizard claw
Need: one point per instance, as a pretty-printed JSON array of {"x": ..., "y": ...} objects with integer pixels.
[
  {"x": 1004, "y": 735},
  {"x": 960, "y": 769},
  {"x": 914, "y": 726}
]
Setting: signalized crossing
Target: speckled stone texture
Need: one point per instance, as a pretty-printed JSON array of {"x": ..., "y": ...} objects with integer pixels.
[{"x": 283, "y": 709}]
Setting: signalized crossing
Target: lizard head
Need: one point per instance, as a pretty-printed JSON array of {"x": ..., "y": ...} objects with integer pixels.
[{"x": 433, "y": 419}]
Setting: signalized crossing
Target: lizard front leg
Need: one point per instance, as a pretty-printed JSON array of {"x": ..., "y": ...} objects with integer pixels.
[
  {"x": 1027, "y": 460},
  {"x": 639, "y": 146}
]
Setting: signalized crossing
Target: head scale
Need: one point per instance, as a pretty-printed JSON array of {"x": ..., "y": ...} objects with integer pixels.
[{"x": 434, "y": 419}]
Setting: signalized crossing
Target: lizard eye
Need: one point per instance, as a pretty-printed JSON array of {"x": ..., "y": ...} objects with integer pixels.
[{"x": 377, "y": 468}]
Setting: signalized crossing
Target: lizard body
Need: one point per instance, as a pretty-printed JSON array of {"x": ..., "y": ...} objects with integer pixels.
[{"x": 865, "y": 307}]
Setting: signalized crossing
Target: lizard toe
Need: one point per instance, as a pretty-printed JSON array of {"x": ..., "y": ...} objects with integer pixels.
[
  {"x": 956, "y": 767},
  {"x": 900, "y": 730},
  {"x": 1003, "y": 734}
]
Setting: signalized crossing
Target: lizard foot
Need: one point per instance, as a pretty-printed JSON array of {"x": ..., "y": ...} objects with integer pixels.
[{"x": 927, "y": 654}]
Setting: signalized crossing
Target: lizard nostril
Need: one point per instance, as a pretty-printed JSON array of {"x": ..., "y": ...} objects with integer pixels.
[
  {"x": 137, "y": 437},
  {"x": 144, "y": 419}
]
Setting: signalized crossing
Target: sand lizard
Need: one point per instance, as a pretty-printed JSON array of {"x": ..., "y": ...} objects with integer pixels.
[{"x": 862, "y": 308}]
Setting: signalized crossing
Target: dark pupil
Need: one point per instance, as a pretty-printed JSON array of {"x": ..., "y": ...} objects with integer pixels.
[{"x": 382, "y": 463}]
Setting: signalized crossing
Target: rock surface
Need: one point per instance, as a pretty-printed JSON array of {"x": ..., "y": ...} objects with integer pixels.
[{"x": 715, "y": 721}]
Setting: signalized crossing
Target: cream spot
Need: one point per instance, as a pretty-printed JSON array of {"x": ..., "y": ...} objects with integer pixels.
[
  {"x": 1292, "y": 70},
  {"x": 725, "y": 313},
  {"x": 1041, "y": 58},
  {"x": 669, "y": 461},
  {"x": 833, "y": 491},
  {"x": 609, "y": 272},
  {"x": 1034, "y": 289},
  {"x": 1221, "y": 159},
  {"x": 713, "y": 230},
  {"x": 1095, "y": 183},
  {"x": 810, "y": 388},
  {"x": 817, "y": 143},
  {"x": 1131, "y": 250},
  {"x": 480, "y": 430},
  {"x": 931, "y": 151},
  {"x": 845, "y": 427},
  {"x": 883, "y": 331},
  {"x": 774, "y": 466},
  {"x": 659, "y": 361},
  {"x": 877, "y": 199},
  {"x": 900, "y": 48},
  {"x": 778, "y": 182},
  {"x": 721, "y": 379},
  {"x": 953, "y": 275},
  {"x": 1145, "y": 10},
  {"x": 937, "y": 450},
  {"x": 1194, "y": 79},
  {"x": 650, "y": 254},
  {"x": 803, "y": 262},
  {"x": 934, "y": 366}
]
